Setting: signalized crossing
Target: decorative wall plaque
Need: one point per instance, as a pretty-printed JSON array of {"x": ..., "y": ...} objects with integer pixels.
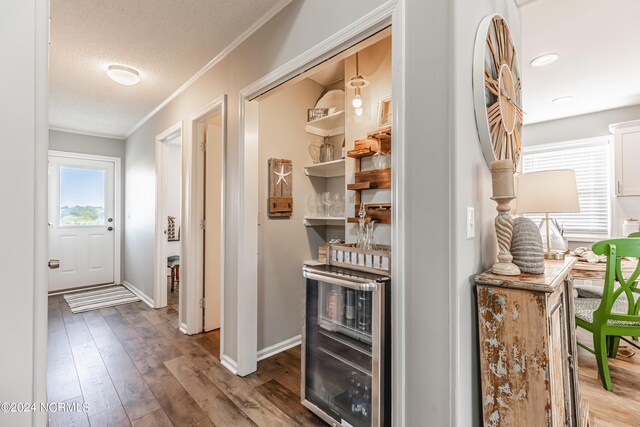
[{"x": 280, "y": 188}]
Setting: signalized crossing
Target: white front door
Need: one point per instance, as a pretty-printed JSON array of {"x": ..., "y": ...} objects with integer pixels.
[{"x": 81, "y": 222}]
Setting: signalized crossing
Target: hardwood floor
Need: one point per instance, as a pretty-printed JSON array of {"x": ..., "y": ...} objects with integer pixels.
[
  {"x": 620, "y": 407},
  {"x": 133, "y": 367}
]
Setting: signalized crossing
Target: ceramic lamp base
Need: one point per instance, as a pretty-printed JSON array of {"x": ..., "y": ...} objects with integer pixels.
[{"x": 505, "y": 269}]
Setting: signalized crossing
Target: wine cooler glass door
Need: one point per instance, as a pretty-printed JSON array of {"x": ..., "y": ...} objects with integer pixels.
[{"x": 341, "y": 348}]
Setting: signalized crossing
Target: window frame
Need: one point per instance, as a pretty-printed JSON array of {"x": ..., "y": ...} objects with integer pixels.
[{"x": 574, "y": 144}]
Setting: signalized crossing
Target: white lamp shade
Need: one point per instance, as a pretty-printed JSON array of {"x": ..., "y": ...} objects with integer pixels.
[{"x": 553, "y": 191}]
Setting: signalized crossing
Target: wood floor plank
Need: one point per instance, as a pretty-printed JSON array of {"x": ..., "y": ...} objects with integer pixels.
[
  {"x": 97, "y": 388},
  {"x": 62, "y": 378},
  {"x": 135, "y": 395},
  {"x": 68, "y": 418},
  {"x": 179, "y": 406},
  {"x": 133, "y": 365},
  {"x": 220, "y": 409},
  {"x": 620, "y": 407},
  {"x": 114, "y": 417},
  {"x": 77, "y": 330},
  {"x": 210, "y": 342},
  {"x": 155, "y": 419},
  {"x": 288, "y": 401},
  {"x": 242, "y": 393},
  {"x": 127, "y": 336}
]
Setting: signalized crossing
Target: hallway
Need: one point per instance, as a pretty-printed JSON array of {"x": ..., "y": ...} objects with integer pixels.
[{"x": 133, "y": 367}]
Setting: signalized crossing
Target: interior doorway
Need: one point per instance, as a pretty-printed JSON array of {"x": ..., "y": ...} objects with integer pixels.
[
  {"x": 203, "y": 220},
  {"x": 84, "y": 223},
  {"x": 168, "y": 289},
  {"x": 255, "y": 269}
]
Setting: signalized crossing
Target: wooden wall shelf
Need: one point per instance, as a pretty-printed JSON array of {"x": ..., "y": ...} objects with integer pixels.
[
  {"x": 361, "y": 186},
  {"x": 377, "y": 178},
  {"x": 378, "y": 212}
]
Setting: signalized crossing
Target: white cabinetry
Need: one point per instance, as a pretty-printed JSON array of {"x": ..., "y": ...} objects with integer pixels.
[{"x": 627, "y": 157}]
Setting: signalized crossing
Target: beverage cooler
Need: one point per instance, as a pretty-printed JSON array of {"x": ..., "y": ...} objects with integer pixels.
[{"x": 346, "y": 375}]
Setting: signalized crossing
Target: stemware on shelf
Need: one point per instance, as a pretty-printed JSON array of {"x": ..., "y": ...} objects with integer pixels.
[
  {"x": 312, "y": 204},
  {"x": 327, "y": 201},
  {"x": 338, "y": 203}
]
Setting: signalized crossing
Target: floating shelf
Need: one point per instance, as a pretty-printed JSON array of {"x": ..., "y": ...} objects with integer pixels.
[
  {"x": 312, "y": 221},
  {"x": 378, "y": 212},
  {"x": 330, "y": 125},
  {"x": 326, "y": 169},
  {"x": 376, "y": 178},
  {"x": 359, "y": 153},
  {"x": 361, "y": 186}
]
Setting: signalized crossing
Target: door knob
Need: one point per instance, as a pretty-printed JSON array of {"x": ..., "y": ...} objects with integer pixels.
[
  {"x": 110, "y": 220},
  {"x": 54, "y": 263},
  {"x": 110, "y": 228}
]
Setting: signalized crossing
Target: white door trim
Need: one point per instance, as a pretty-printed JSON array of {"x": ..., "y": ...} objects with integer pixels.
[
  {"x": 389, "y": 13},
  {"x": 159, "y": 262},
  {"x": 117, "y": 200},
  {"x": 41, "y": 273},
  {"x": 193, "y": 211}
]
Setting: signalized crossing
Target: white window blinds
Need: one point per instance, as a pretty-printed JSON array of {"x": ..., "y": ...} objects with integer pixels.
[{"x": 591, "y": 162}]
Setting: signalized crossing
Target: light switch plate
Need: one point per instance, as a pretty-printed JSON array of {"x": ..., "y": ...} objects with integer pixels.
[{"x": 471, "y": 223}]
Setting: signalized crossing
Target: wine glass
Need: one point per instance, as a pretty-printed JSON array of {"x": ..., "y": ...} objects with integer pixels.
[
  {"x": 312, "y": 204},
  {"x": 338, "y": 202},
  {"x": 327, "y": 201}
]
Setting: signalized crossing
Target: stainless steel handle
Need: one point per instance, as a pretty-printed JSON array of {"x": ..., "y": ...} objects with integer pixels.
[
  {"x": 54, "y": 263},
  {"x": 358, "y": 286}
]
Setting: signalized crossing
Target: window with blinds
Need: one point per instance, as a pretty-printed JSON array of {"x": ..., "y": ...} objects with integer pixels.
[{"x": 591, "y": 162}]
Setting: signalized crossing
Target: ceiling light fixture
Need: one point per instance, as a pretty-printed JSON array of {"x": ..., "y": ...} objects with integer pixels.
[
  {"x": 562, "y": 99},
  {"x": 123, "y": 75},
  {"x": 543, "y": 60}
]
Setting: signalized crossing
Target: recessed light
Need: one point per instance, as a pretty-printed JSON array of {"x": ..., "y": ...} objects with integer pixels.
[
  {"x": 562, "y": 99},
  {"x": 543, "y": 60},
  {"x": 123, "y": 75}
]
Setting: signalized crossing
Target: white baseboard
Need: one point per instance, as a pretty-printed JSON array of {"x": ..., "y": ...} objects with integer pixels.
[
  {"x": 279, "y": 347},
  {"x": 144, "y": 297},
  {"x": 230, "y": 364},
  {"x": 183, "y": 327}
]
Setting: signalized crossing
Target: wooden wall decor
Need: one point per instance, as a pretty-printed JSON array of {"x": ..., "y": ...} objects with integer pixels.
[{"x": 280, "y": 188}]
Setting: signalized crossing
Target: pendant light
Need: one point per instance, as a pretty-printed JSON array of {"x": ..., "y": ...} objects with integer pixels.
[{"x": 356, "y": 83}]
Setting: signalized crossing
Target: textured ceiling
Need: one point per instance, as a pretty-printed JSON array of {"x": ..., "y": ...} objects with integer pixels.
[
  {"x": 599, "y": 64},
  {"x": 168, "y": 41}
]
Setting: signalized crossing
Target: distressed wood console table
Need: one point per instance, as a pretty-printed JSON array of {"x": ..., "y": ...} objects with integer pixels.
[{"x": 528, "y": 352}]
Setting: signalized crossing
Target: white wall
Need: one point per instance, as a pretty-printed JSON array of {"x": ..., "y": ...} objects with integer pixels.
[
  {"x": 87, "y": 144},
  {"x": 294, "y": 30},
  {"x": 472, "y": 186},
  {"x": 589, "y": 126},
  {"x": 97, "y": 145},
  {"x": 427, "y": 169},
  {"x": 18, "y": 114},
  {"x": 285, "y": 243},
  {"x": 578, "y": 127}
]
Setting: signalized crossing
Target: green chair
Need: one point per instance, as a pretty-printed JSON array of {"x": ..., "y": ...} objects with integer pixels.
[{"x": 614, "y": 315}]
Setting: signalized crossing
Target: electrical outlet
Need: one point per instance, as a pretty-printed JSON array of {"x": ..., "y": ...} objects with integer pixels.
[{"x": 471, "y": 223}]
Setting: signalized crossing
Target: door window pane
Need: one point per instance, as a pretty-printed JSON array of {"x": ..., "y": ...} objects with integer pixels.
[{"x": 82, "y": 196}]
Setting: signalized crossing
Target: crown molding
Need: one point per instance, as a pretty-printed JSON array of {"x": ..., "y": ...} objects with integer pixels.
[{"x": 219, "y": 57}]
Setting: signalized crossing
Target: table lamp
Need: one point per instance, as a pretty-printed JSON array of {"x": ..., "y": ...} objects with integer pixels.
[{"x": 546, "y": 192}]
